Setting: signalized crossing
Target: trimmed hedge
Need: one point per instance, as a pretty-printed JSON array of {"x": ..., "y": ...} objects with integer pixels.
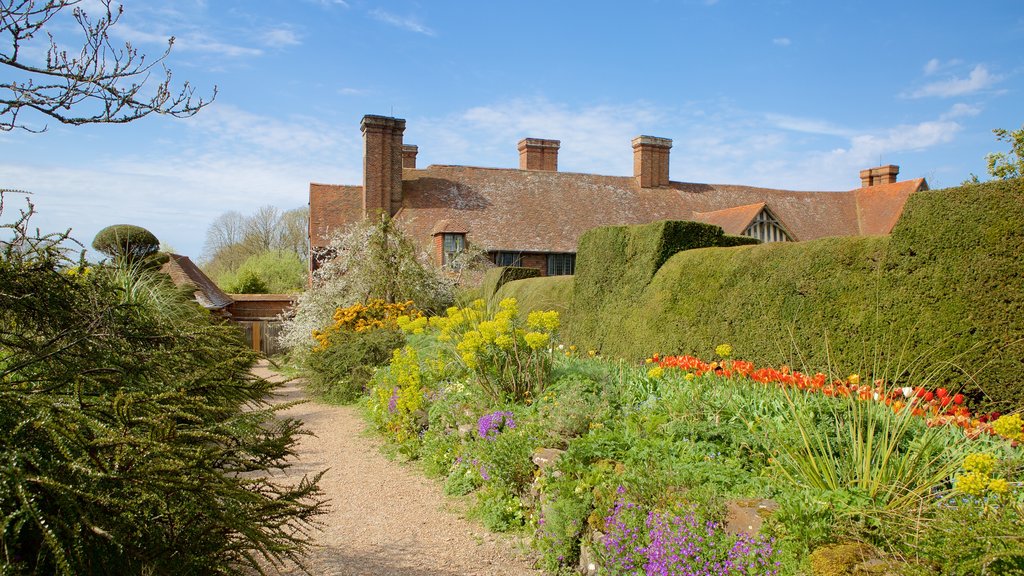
[
  {"x": 956, "y": 271},
  {"x": 549, "y": 293},
  {"x": 495, "y": 278},
  {"x": 939, "y": 302},
  {"x": 615, "y": 264}
]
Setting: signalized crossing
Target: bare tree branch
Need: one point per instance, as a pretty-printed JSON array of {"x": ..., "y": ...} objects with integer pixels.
[{"x": 102, "y": 83}]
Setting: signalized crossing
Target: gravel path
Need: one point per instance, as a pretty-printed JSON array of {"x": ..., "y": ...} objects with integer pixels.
[{"x": 385, "y": 518}]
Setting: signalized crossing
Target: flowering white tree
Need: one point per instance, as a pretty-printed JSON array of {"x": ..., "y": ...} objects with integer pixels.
[{"x": 371, "y": 259}]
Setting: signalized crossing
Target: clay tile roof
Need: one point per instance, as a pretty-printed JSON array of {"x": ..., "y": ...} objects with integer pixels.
[
  {"x": 540, "y": 211},
  {"x": 880, "y": 206},
  {"x": 732, "y": 220},
  {"x": 449, "y": 226},
  {"x": 184, "y": 272}
]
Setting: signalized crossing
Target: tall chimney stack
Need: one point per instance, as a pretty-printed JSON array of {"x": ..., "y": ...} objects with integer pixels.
[
  {"x": 881, "y": 175},
  {"x": 382, "y": 164},
  {"x": 409, "y": 152},
  {"x": 537, "y": 154},
  {"x": 650, "y": 161}
]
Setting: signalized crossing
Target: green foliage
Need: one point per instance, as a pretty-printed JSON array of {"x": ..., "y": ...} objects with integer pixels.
[
  {"x": 495, "y": 278},
  {"x": 548, "y": 293},
  {"x": 499, "y": 511},
  {"x": 955, "y": 287},
  {"x": 126, "y": 242},
  {"x": 279, "y": 271},
  {"x": 341, "y": 371},
  {"x": 248, "y": 282},
  {"x": 615, "y": 264},
  {"x": 938, "y": 301},
  {"x": 133, "y": 437},
  {"x": 1007, "y": 165},
  {"x": 893, "y": 459},
  {"x": 398, "y": 404}
]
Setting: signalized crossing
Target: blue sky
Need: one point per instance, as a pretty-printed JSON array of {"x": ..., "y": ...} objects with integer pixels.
[{"x": 787, "y": 94}]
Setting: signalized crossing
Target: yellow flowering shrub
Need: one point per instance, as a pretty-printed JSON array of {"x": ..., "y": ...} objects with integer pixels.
[
  {"x": 977, "y": 479},
  {"x": 398, "y": 397},
  {"x": 1010, "y": 426},
  {"x": 511, "y": 358},
  {"x": 372, "y": 315},
  {"x": 723, "y": 350}
]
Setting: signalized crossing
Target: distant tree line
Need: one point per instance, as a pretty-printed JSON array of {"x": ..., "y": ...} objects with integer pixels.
[{"x": 265, "y": 252}]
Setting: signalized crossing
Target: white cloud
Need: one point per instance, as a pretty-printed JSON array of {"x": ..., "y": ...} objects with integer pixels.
[
  {"x": 349, "y": 91},
  {"x": 190, "y": 41},
  {"x": 280, "y": 37},
  {"x": 961, "y": 110},
  {"x": 979, "y": 79},
  {"x": 593, "y": 138},
  {"x": 405, "y": 22},
  {"x": 781, "y": 41},
  {"x": 807, "y": 125}
]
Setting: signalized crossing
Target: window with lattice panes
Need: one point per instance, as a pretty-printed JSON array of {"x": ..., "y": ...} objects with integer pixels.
[
  {"x": 452, "y": 246},
  {"x": 561, "y": 264}
]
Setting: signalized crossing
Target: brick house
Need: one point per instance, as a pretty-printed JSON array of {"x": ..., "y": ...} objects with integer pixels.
[{"x": 534, "y": 215}]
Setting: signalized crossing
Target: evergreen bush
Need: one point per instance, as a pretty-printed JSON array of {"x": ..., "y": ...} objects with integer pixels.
[{"x": 133, "y": 437}]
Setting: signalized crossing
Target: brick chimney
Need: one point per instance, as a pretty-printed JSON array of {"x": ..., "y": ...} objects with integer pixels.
[
  {"x": 650, "y": 161},
  {"x": 537, "y": 154},
  {"x": 382, "y": 163},
  {"x": 881, "y": 175},
  {"x": 409, "y": 152}
]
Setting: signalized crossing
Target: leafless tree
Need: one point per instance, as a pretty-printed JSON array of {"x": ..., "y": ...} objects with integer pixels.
[
  {"x": 100, "y": 83},
  {"x": 294, "y": 236},
  {"x": 226, "y": 230},
  {"x": 263, "y": 229}
]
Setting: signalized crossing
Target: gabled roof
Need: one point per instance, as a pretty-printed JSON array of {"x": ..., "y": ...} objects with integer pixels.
[
  {"x": 184, "y": 272},
  {"x": 547, "y": 211},
  {"x": 731, "y": 220},
  {"x": 880, "y": 206}
]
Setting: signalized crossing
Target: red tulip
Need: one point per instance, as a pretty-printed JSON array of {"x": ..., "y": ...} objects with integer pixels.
[
  {"x": 920, "y": 392},
  {"x": 958, "y": 399},
  {"x": 946, "y": 400},
  {"x": 928, "y": 396},
  {"x": 942, "y": 392}
]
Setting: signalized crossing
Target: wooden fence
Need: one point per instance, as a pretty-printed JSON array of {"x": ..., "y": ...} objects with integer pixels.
[{"x": 262, "y": 335}]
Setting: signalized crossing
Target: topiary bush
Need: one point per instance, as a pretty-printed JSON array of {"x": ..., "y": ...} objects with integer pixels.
[
  {"x": 126, "y": 242},
  {"x": 495, "y": 278}
]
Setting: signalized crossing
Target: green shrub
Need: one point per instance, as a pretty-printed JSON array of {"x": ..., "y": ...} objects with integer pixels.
[
  {"x": 133, "y": 437},
  {"x": 126, "y": 242},
  {"x": 495, "y": 278},
  {"x": 955, "y": 280},
  {"x": 341, "y": 371},
  {"x": 548, "y": 293},
  {"x": 614, "y": 265}
]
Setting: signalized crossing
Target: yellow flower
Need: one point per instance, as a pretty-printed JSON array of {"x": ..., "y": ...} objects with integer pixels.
[
  {"x": 853, "y": 379},
  {"x": 504, "y": 341},
  {"x": 509, "y": 305},
  {"x": 999, "y": 486},
  {"x": 723, "y": 350},
  {"x": 1009, "y": 426},
  {"x": 591, "y": 353},
  {"x": 979, "y": 462},
  {"x": 536, "y": 340},
  {"x": 973, "y": 483},
  {"x": 656, "y": 372}
]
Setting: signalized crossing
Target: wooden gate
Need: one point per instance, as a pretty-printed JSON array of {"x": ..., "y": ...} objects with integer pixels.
[{"x": 262, "y": 335}]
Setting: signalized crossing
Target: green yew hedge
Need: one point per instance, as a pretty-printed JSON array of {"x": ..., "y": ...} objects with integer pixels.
[{"x": 939, "y": 302}]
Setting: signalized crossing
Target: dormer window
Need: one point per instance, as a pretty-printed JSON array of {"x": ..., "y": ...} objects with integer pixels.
[{"x": 453, "y": 244}]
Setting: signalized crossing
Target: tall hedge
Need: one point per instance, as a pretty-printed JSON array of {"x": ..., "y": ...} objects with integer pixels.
[
  {"x": 495, "y": 278},
  {"x": 938, "y": 302},
  {"x": 548, "y": 293},
  {"x": 614, "y": 264},
  {"x": 956, "y": 276}
]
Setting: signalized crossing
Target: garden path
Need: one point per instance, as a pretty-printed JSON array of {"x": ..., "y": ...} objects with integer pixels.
[{"x": 385, "y": 518}]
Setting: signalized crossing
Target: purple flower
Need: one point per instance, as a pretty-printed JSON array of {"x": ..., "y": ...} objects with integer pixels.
[
  {"x": 663, "y": 543},
  {"x": 490, "y": 425},
  {"x": 393, "y": 401}
]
